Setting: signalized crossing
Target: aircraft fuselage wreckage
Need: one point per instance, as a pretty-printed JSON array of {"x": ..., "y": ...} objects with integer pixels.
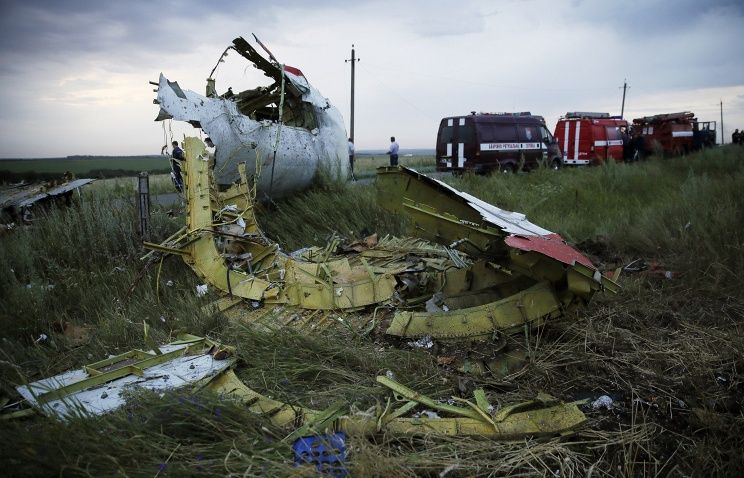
[
  {"x": 473, "y": 271},
  {"x": 285, "y": 133}
]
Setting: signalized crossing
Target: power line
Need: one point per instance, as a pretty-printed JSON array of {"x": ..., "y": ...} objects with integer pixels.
[{"x": 403, "y": 98}]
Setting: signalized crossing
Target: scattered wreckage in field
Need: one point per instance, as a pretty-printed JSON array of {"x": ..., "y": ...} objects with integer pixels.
[
  {"x": 469, "y": 276},
  {"x": 18, "y": 200},
  {"x": 286, "y": 133},
  {"x": 473, "y": 271},
  {"x": 195, "y": 363},
  {"x": 475, "y": 274}
]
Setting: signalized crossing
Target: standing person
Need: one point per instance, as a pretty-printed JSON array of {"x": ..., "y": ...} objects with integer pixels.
[
  {"x": 351, "y": 159},
  {"x": 393, "y": 151},
  {"x": 736, "y": 137},
  {"x": 176, "y": 158}
]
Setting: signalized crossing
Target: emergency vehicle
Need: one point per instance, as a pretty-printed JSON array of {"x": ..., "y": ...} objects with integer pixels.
[
  {"x": 672, "y": 134},
  {"x": 486, "y": 142},
  {"x": 590, "y": 138}
]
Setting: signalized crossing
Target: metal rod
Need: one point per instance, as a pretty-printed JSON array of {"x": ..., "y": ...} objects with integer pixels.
[{"x": 144, "y": 205}]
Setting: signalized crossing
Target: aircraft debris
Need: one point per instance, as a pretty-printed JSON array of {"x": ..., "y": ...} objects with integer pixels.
[
  {"x": 475, "y": 270},
  {"x": 543, "y": 416},
  {"x": 101, "y": 387},
  {"x": 288, "y": 130},
  {"x": 200, "y": 363},
  {"x": 17, "y": 200}
]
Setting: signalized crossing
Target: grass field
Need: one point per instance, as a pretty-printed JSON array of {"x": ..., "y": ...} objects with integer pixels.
[
  {"x": 88, "y": 166},
  {"x": 668, "y": 349}
]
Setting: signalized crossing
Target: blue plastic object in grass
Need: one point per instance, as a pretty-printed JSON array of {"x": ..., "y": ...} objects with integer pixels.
[{"x": 327, "y": 452}]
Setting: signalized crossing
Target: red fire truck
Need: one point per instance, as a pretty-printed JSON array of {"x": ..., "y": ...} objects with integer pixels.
[
  {"x": 672, "y": 134},
  {"x": 590, "y": 138}
]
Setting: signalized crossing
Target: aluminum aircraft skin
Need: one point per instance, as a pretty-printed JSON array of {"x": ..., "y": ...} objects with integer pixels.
[{"x": 286, "y": 134}]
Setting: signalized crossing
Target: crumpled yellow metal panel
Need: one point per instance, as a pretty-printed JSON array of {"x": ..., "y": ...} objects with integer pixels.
[
  {"x": 330, "y": 284},
  {"x": 204, "y": 257},
  {"x": 507, "y": 315}
]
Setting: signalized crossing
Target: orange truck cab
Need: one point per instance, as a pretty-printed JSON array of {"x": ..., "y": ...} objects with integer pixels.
[
  {"x": 487, "y": 142},
  {"x": 591, "y": 138}
]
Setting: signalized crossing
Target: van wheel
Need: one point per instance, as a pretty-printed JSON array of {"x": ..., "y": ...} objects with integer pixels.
[
  {"x": 556, "y": 164},
  {"x": 508, "y": 168}
]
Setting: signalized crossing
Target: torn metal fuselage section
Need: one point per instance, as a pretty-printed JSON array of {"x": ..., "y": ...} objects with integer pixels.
[
  {"x": 17, "y": 201},
  {"x": 475, "y": 271},
  {"x": 286, "y": 133},
  {"x": 532, "y": 273}
]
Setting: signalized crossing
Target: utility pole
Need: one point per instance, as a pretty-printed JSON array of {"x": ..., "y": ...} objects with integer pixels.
[
  {"x": 353, "y": 61},
  {"x": 722, "y": 136},
  {"x": 625, "y": 88}
]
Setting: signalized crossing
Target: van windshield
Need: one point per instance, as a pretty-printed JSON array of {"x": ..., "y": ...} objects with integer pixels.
[
  {"x": 446, "y": 135},
  {"x": 545, "y": 135}
]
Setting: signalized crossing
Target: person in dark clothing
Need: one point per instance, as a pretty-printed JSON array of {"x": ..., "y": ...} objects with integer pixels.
[
  {"x": 176, "y": 157},
  {"x": 177, "y": 151},
  {"x": 736, "y": 137},
  {"x": 625, "y": 137}
]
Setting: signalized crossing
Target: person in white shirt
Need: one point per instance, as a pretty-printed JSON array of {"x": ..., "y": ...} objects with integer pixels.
[{"x": 393, "y": 151}]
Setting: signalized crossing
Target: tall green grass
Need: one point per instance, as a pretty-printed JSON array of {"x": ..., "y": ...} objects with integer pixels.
[
  {"x": 78, "y": 265},
  {"x": 661, "y": 341}
]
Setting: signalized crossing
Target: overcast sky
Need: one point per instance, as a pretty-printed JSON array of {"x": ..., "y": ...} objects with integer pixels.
[{"x": 74, "y": 74}]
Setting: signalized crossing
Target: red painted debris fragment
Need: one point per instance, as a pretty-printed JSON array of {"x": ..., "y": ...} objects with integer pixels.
[{"x": 551, "y": 245}]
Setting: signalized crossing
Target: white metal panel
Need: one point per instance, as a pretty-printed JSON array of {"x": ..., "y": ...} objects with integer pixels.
[
  {"x": 239, "y": 139},
  {"x": 508, "y": 221},
  {"x": 460, "y": 154},
  {"x": 180, "y": 372}
]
